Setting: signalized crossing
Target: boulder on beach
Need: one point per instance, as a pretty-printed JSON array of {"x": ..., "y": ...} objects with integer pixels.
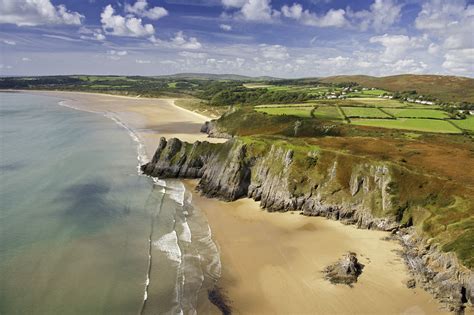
[{"x": 344, "y": 271}]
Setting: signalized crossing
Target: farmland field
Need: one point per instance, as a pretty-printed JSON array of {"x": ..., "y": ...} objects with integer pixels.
[
  {"x": 300, "y": 111},
  {"x": 467, "y": 124},
  {"x": 327, "y": 112},
  {"x": 285, "y": 105},
  {"x": 362, "y": 102},
  {"x": 416, "y": 113},
  {"x": 364, "y": 112},
  {"x": 380, "y": 102},
  {"x": 427, "y": 125}
]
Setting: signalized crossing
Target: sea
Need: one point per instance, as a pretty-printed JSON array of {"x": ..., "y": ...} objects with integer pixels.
[{"x": 82, "y": 231}]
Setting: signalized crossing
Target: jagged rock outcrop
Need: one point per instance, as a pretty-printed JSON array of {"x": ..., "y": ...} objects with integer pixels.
[
  {"x": 369, "y": 194},
  {"x": 210, "y": 128},
  {"x": 344, "y": 271},
  {"x": 436, "y": 272}
]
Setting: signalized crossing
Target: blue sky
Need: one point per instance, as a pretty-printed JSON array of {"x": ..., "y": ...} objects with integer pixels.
[{"x": 297, "y": 38}]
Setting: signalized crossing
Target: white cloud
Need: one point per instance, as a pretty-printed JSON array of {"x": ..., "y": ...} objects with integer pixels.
[
  {"x": 124, "y": 26},
  {"x": 9, "y": 42},
  {"x": 140, "y": 8},
  {"x": 26, "y": 59},
  {"x": 188, "y": 54},
  {"x": 91, "y": 34},
  {"x": 253, "y": 10},
  {"x": 60, "y": 37},
  {"x": 336, "y": 62},
  {"x": 381, "y": 15},
  {"x": 332, "y": 18},
  {"x": 460, "y": 61},
  {"x": 449, "y": 24},
  {"x": 225, "y": 27},
  {"x": 234, "y": 3},
  {"x": 396, "y": 46},
  {"x": 182, "y": 41},
  {"x": 116, "y": 54},
  {"x": 407, "y": 66},
  {"x": 433, "y": 49},
  {"x": 276, "y": 52},
  {"x": 141, "y": 61},
  {"x": 36, "y": 12},
  {"x": 438, "y": 15}
]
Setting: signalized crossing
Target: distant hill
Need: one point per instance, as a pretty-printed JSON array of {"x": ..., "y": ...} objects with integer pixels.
[
  {"x": 211, "y": 76},
  {"x": 445, "y": 88}
]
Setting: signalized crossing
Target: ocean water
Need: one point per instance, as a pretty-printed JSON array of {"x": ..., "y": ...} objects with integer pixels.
[{"x": 81, "y": 231}]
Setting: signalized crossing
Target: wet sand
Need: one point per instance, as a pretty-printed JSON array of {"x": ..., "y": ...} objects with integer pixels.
[{"x": 272, "y": 262}]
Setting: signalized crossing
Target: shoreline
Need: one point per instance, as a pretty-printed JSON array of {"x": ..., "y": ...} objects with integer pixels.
[{"x": 290, "y": 269}]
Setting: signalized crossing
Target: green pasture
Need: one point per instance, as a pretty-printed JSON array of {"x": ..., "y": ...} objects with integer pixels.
[
  {"x": 417, "y": 113},
  {"x": 426, "y": 125},
  {"x": 364, "y": 112},
  {"x": 466, "y": 124},
  {"x": 296, "y": 111},
  {"x": 327, "y": 112}
]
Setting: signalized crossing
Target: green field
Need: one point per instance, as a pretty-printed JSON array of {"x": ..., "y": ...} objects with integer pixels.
[
  {"x": 311, "y": 105},
  {"x": 417, "y": 113},
  {"x": 362, "y": 102},
  {"x": 364, "y": 112},
  {"x": 379, "y": 102},
  {"x": 300, "y": 111},
  {"x": 327, "y": 112},
  {"x": 466, "y": 124},
  {"x": 427, "y": 125}
]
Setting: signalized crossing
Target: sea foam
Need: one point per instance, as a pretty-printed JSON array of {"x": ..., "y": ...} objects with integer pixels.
[{"x": 168, "y": 244}]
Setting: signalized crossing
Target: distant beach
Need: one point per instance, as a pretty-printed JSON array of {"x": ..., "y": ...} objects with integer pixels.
[{"x": 272, "y": 262}]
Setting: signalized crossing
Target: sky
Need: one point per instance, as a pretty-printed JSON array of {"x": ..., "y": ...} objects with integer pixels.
[{"x": 287, "y": 39}]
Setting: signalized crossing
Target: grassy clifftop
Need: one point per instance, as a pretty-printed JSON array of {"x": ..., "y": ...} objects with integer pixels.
[
  {"x": 445, "y": 88},
  {"x": 431, "y": 186}
]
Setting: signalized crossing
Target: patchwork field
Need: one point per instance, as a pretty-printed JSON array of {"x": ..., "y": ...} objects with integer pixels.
[
  {"x": 327, "y": 112},
  {"x": 286, "y": 105},
  {"x": 299, "y": 111},
  {"x": 417, "y": 113},
  {"x": 426, "y": 125},
  {"x": 466, "y": 124},
  {"x": 363, "y": 102},
  {"x": 366, "y": 112}
]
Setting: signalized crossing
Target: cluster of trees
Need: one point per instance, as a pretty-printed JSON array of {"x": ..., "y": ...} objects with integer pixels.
[
  {"x": 458, "y": 110},
  {"x": 234, "y": 95},
  {"x": 283, "y": 82},
  {"x": 135, "y": 85},
  {"x": 346, "y": 84},
  {"x": 32, "y": 82}
]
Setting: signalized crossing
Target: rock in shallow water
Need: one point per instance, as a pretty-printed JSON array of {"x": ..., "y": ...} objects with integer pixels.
[{"x": 344, "y": 271}]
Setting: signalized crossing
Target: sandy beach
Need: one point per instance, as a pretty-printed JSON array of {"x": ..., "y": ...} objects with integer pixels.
[{"x": 272, "y": 262}]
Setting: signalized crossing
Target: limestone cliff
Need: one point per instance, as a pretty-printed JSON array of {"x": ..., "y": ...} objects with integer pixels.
[{"x": 370, "y": 194}]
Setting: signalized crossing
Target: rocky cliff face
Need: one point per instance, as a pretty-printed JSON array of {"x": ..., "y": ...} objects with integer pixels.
[{"x": 283, "y": 177}]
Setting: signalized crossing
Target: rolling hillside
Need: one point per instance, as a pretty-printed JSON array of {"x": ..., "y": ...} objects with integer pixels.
[
  {"x": 211, "y": 76},
  {"x": 446, "y": 88}
]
